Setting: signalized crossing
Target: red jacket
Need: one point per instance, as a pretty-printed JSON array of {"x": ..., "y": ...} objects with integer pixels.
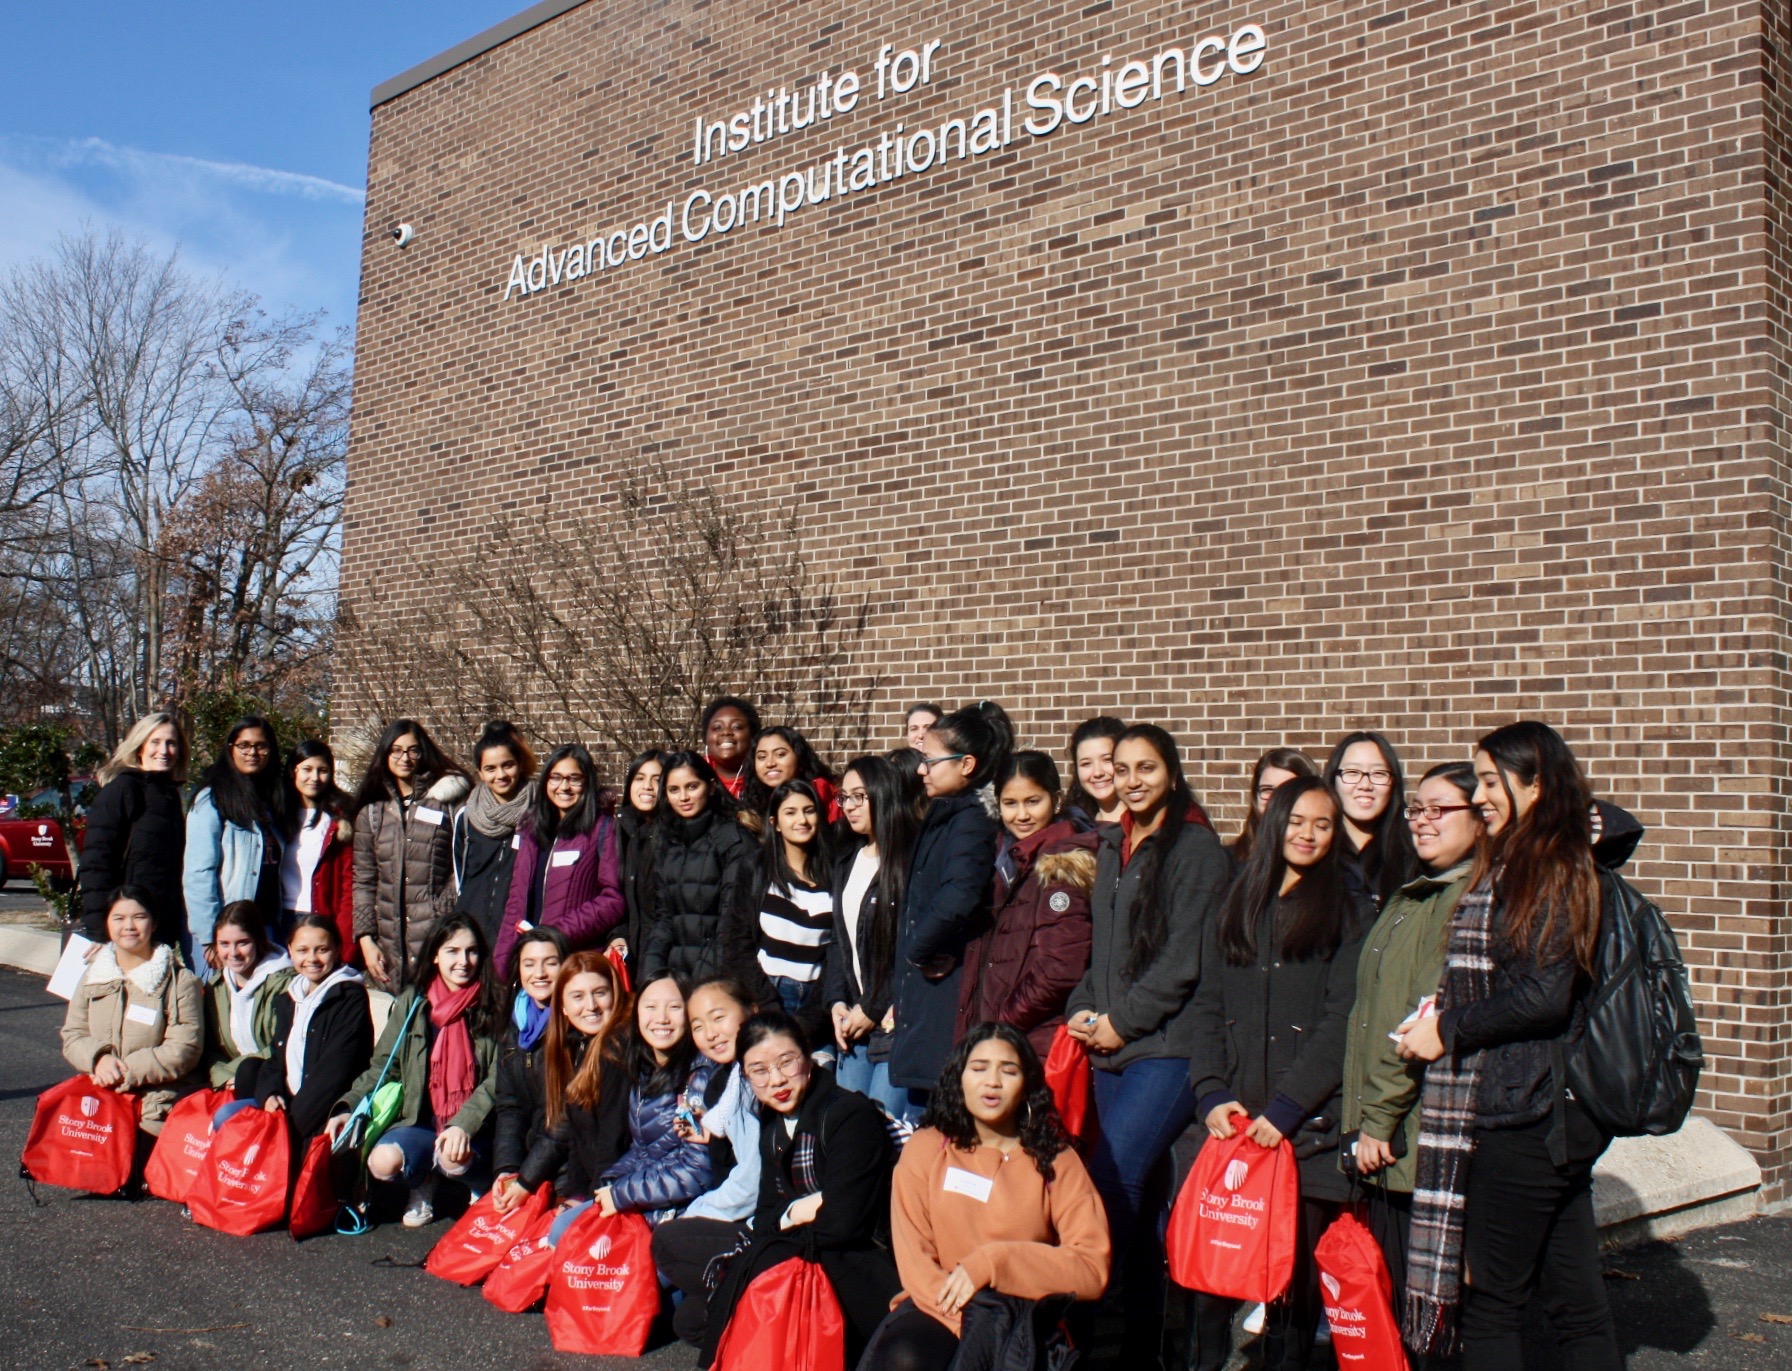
[
  {"x": 1022, "y": 969},
  {"x": 333, "y": 888}
]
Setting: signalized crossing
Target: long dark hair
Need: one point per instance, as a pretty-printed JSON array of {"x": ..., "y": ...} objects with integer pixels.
[
  {"x": 641, "y": 759},
  {"x": 650, "y": 1078},
  {"x": 755, "y": 795},
  {"x": 983, "y": 731},
  {"x": 720, "y": 801},
  {"x": 1279, "y": 759},
  {"x": 540, "y": 933},
  {"x": 334, "y": 802},
  {"x": 1037, "y": 767},
  {"x": 1042, "y": 1135},
  {"x": 764, "y": 1024},
  {"x": 486, "y": 1017},
  {"x": 774, "y": 866},
  {"x": 1151, "y": 912},
  {"x": 549, "y": 823},
  {"x": 1101, "y": 726},
  {"x": 1393, "y": 839},
  {"x": 892, "y": 796},
  {"x": 243, "y": 800},
  {"x": 1320, "y": 909},
  {"x": 378, "y": 786},
  {"x": 1545, "y": 881}
]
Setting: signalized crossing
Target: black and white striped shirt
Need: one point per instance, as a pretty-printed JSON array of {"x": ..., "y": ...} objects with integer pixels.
[{"x": 795, "y": 926}]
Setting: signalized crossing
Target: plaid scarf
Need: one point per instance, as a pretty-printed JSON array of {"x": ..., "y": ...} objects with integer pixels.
[{"x": 1447, "y": 1141}]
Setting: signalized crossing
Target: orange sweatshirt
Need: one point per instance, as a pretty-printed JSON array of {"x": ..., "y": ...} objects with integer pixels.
[{"x": 1027, "y": 1238}]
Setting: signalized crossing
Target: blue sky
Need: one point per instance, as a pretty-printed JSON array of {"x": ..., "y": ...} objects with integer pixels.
[{"x": 238, "y": 132}]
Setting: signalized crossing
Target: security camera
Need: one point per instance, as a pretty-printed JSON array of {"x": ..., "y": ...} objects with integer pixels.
[{"x": 402, "y": 234}]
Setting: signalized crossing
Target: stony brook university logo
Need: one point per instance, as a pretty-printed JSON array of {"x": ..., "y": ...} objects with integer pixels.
[
  {"x": 1330, "y": 1282},
  {"x": 1236, "y": 1173},
  {"x": 601, "y": 1248},
  {"x": 89, "y": 1106}
]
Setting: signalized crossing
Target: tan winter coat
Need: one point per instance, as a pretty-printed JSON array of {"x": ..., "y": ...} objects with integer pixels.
[
  {"x": 404, "y": 873},
  {"x": 153, "y": 1020}
]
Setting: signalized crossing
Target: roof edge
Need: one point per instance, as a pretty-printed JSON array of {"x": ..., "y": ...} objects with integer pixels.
[{"x": 479, "y": 43}]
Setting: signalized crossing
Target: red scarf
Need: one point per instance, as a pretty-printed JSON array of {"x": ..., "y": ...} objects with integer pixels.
[{"x": 453, "y": 1070}]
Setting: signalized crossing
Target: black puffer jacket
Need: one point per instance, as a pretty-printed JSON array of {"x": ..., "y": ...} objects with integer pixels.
[
  {"x": 1270, "y": 1034},
  {"x": 136, "y": 835},
  {"x": 696, "y": 863},
  {"x": 521, "y": 1116}
]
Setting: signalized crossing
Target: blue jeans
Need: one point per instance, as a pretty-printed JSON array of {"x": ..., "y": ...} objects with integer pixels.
[
  {"x": 419, "y": 1148},
  {"x": 567, "y": 1218},
  {"x": 1141, "y": 1110},
  {"x": 796, "y": 995},
  {"x": 855, "y": 1071}
]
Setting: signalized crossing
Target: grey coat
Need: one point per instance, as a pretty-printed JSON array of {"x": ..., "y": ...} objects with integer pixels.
[
  {"x": 1152, "y": 1010},
  {"x": 404, "y": 873}
]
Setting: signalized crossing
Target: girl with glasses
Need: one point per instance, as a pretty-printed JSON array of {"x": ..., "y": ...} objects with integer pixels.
[
  {"x": 567, "y": 868},
  {"x": 1273, "y": 767},
  {"x": 1401, "y": 963},
  {"x": 233, "y": 838},
  {"x": 404, "y": 850},
  {"x": 1364, "y": 772}
]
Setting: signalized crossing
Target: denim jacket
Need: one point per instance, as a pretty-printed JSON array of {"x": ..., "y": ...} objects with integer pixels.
[{"x": 223, "y": 865}]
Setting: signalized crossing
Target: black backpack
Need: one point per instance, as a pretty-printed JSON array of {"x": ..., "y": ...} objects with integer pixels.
[{"x": 1638, "y": 1062}]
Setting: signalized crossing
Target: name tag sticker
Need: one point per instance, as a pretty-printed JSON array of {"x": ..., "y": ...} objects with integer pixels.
[
  {"x": 516, "y": 842},
  {"x": 962, "y": 1182},
  {"x": 430, "y": 816},
  {"x": 563, "y": 858},
  {"x": 143, "y": 1014}
]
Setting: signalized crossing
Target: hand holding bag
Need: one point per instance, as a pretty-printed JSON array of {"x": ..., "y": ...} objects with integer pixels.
[
  {"x": 1233, "y": 1230},
  {"x": 468, "y": 1252},
  {"x": 1068, "y": 1073},
  {"x": 83, "y": 1137},
  {"x": 242, "y": 1187},
  {"x": 604, "y": 1293}
]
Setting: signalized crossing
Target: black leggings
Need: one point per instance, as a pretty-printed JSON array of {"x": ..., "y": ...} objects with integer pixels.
[
  {"x": 910, "y": 1340},
  {"x": 683, "y": 1250},
  {"x": 1291, "y": 1321},
  {"x": 1527, "y": 1226}
]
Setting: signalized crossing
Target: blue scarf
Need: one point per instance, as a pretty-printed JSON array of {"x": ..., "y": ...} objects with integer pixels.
[{"x": 531, "y": 1021}]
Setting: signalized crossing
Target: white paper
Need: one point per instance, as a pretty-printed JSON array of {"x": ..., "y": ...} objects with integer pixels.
[
  {"x": 433, "y": 817},
  {"x": 962, "y": 1182},
  {"x": 71, "y": 968}
]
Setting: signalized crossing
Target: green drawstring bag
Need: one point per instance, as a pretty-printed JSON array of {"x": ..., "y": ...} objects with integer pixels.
[
  {"x": 374, "y": 1114},
  {"x": 387, "y": 1101}
]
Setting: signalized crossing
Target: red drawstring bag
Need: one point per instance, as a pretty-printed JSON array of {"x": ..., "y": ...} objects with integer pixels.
[
  {"x": 1358, "y": 1294},
  {"x": 181, "y": 1150},
  {"x": 1068, "y": 1073},
  {"x": 242, "y": 1187},
  {"x": 467, "y": 1252},
  {"x": 787, "y": 1318},
  {"x": 1234, "y": 1227},
  {"x": 313, "y": 1208},
  {"x": 521, "y": 1276},
  {"x": 605, "y": 1290},
  {"x": 620, "y": 962},
  {"x": 83, "y": 1137}
]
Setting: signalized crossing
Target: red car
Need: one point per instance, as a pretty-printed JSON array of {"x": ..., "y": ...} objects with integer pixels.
[{"x": 25, "y": 843}]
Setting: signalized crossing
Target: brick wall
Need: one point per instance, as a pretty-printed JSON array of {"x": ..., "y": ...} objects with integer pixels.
[{"x": 1430, "y": 376}]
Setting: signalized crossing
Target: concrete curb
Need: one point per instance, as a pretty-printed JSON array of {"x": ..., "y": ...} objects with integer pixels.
[{"x": 36, "y": 950}]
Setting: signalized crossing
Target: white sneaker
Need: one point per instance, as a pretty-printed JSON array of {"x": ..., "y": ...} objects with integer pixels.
[
  {"x": 419, "y": 1213},
  {"x": 1253, "y": 1321}
]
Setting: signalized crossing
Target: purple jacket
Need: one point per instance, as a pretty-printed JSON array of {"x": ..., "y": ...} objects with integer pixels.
[{"x": 582, "y": 896}]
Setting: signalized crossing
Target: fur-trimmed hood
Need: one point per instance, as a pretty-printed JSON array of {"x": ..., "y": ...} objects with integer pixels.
[
  {"x": 148, "y": 978},
  {"x": 449, "y": 790},
  {"x": 1075, "y": 867}
]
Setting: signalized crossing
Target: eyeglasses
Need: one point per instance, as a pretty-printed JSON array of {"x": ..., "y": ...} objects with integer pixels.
[
  {"x": 414, "y": 753},
  {"x": 1265, "y": 793},
  {"x": 567, "y": 782},
  {"x": 1432, "y": 812},
  {"x": 251, "y": 749},
  {"x": 852, "y": 799},
  {"x": 929, "y": 763},
  {"x": 786, "y": 1066},
  {"x": 1353, "y": 778}
]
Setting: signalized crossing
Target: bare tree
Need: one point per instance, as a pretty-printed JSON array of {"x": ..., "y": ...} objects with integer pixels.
[{"x": 619, "y": 628}]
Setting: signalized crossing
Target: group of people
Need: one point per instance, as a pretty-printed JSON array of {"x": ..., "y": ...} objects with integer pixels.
[{"x": 781, "y": 1010}]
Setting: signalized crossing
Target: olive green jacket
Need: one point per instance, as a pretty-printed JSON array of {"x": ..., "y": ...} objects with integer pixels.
[
  {"x": 1402, "y": 962},
  {"x": 411, "y": 1070},
  {"x": 223, "y": 1053}
]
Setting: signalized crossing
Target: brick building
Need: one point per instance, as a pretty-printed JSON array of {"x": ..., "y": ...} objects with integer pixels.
[{"x": 1415, "y": 365}]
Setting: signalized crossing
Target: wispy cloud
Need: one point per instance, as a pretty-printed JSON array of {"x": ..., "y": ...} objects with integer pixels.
[{"x": 98, "y": 152}]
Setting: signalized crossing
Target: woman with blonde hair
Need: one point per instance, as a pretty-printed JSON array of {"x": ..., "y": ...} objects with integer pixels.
[{"x": 136, "y": 830}]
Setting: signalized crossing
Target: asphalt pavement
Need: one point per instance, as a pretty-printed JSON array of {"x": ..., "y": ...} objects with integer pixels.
[{"x": 92, "y": 1284}]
